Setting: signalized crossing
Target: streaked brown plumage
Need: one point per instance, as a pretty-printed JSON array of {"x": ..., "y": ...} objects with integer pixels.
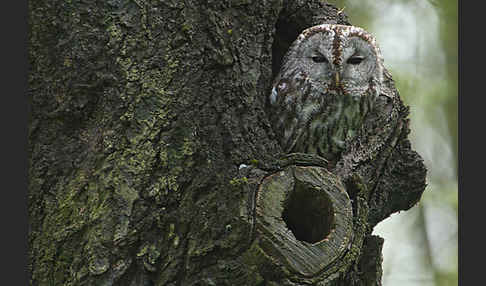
[{"x": 327, "y": 83}]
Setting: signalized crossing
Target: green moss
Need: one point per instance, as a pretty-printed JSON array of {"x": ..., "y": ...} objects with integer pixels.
[
  {"x": 185, "y": 27},
  {"x": 153, "y": 254},
  {"x": 68, "y": 62},
  {"x": 69, "y": 220},
  {"x": 171, "y": 231},
  {"x": 259, "y": 263},
  {"x": 238, "y": 181},
  {"x": 143, "y": 251},
  {"x": 175, "y": 243},
  {"x": 188, "y": 146},
  {"x": 98, "y": 266},
  {"x": 115, "y": 32}
]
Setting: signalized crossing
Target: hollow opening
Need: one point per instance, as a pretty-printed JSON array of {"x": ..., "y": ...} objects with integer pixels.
[
  {"x": 308, "y": 213},
  {"x": 285, "y": 33}
]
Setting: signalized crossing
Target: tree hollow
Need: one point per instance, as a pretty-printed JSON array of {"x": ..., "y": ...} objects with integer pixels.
[
  {"x": 308, "y": 213},
  {"x": 304, "y": 219}
]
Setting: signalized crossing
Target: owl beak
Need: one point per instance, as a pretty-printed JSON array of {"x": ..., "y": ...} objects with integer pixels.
[{"x": 336, "y": 78}]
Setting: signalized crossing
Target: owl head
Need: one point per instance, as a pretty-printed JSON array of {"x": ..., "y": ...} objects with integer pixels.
[
  {"x": 327, "y": 84},
  {"x": 335, "y": 59}
]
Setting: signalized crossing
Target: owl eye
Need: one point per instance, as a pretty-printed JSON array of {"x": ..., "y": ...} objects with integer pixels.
[
  {"x": 356, "y": 60},
  {"x": 319, "y": 59}
]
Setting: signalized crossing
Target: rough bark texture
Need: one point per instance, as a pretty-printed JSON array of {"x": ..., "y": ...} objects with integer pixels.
[{"x": 143, "y": 112}]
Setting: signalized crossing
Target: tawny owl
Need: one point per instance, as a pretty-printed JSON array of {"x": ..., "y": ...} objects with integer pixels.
[{"x": 326, "y": 85}]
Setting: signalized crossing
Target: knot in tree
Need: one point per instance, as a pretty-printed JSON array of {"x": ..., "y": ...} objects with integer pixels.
[
  {"x": 305, "y": 217},
  {"x": 309, "y": 212}
]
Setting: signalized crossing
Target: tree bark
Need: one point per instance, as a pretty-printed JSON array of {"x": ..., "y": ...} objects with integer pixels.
[{"x": 152, "y": 160}]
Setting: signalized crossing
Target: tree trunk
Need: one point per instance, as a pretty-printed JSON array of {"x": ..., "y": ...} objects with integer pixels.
[{"x": 152, "y": 161}]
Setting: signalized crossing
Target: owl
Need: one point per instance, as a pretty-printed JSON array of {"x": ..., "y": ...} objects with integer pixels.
[{"x": 328, "y": 81}]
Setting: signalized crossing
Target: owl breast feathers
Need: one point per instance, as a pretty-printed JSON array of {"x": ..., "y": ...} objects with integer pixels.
[{"x": 326, "y": 85}]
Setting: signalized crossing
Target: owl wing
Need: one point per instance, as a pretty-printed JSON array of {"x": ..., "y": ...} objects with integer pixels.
[{"x": 292, "y": 108}]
